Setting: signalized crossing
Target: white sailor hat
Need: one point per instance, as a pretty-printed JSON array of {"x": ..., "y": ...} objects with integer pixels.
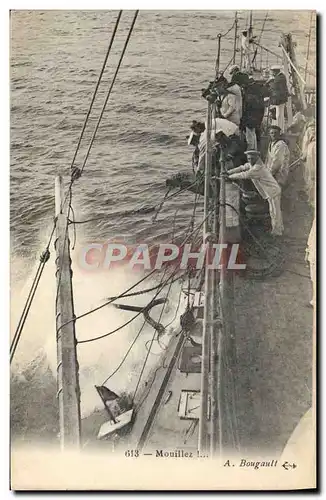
[
  {"x": 275, "y": 67},
  {"x": 234, "y": 68},
  {"x": 252, "y": 152}
]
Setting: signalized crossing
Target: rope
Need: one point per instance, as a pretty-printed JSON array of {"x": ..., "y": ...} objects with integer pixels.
[
  {"x": 161, "y": 205},
  {"x": 97, "y": 86},
  {"x": 267, "y": 50},
  {"x": 228, "y": 64},
  {"x": 139, "y": 332},
  {"x": 110, "y": 333},
  {"x": 19, "y": 329},
  {"x": 40, "y": 269},
  {"x": 133, "y": 286},
  {"x": 228, "y": 31},
  {"x": 259, "y": 39},
  {"x": 125, "y": 293},
  {"x": 75, "y": 234},
  {"x": 152, "y": 340},
  {"x": 110, "y": 89},
  {"x": 126, "y": 355}
]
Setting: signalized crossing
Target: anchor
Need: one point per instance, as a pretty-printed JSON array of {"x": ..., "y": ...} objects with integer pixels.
[{"x": 146, "y": 310}]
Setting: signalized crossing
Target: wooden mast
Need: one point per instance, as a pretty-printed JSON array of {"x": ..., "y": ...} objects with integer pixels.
[
  {"x": 67, "y": 368},
  {"x": 235, "y": 37},
  {"x": 287, "y": 46}
]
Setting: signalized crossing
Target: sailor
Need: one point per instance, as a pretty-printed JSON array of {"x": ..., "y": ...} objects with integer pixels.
[
  {"x": 253, "y": 111},
  {"x": 278, "y": 94},
  {"x": 266, "y": 185},
  {"x": 278, "y": 156},
  {"x": 237, "y": 76},
  {"x": 231, "y": 103},
  {"x": 218, "y": 125},
  {"x": 245, "y": 46},
  {"x": 308, "y": 148},
  {"x": 233, "y": 148}
]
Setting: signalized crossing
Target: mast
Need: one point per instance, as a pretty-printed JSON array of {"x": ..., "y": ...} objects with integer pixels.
[
  {"x": 250, "y": 25},
  {"x": 287, "y": 46},
  {"x": 235, "y": 37},
  {"x": 67, "y": 368},
  {"x": 217, "y": 65},
  {"x": 203, "y": 420}
]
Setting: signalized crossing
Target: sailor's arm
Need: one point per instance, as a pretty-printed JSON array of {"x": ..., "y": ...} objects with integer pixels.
[
  {"x": 248, "y": 173},
  {"x": 235, "y": 170}
]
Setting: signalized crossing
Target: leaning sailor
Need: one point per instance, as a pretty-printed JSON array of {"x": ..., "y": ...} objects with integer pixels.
[
  {"x": 199, "y": 129},
  {"x": 265, "y": 184},
  {"x": 278, "y": 156}
]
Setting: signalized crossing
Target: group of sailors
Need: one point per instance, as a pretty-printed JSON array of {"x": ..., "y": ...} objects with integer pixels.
[{"x": 239, "y": 109}]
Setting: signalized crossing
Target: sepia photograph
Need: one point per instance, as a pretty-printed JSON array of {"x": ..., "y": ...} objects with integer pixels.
[{"x": 163, "y": 249}]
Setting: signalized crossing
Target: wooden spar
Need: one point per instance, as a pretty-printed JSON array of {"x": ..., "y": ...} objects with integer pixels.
[
  {"x": 67, "y": 368},
  {"x": 226, "y": 359},
  {"x": 235, "y": 37},
  {"x": 297, "y": 80},
  {"x": 220, "y": 354},
  {"x": 215, "y": 332},
  {"x": 203, "y": 420},
  {"x": 218, "y": 57},
  {"x": 250, "y": 24}
]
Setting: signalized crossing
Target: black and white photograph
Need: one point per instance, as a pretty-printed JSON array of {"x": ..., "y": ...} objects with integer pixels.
[{"x": 163, "y": 249}]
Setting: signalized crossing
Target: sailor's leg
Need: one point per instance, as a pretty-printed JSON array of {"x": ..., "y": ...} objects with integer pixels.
[
  {"x": 251, "y": 138},
  {"x": 276, "y": 215}
]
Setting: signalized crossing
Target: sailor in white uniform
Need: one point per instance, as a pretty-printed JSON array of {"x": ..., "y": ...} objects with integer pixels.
[
  {"x": 218, "y": 124},
  {"x": 278, "y": 156},
  {"x": 265, "y": 184}
]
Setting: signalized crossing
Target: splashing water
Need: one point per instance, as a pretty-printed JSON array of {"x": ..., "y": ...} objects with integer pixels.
[{"x": 36, "y": 352}]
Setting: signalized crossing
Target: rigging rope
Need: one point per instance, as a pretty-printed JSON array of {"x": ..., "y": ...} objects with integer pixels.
[
  {"x": 133, "y": 286},
  {"x": 228, "y": 31},
  {"x": 43, "y": 260},
  {"x": 161, "y": 286},
  {"x": 74, "y": 176},
  {"x": 143, "y": 209},
  {"x": 137, "y": 336},
  {"x": 97, "y": 86},
  {"x": 110, "y": 89},
  {"x": 259, "y": 39},
  {"x": 161, "y": 314}
]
